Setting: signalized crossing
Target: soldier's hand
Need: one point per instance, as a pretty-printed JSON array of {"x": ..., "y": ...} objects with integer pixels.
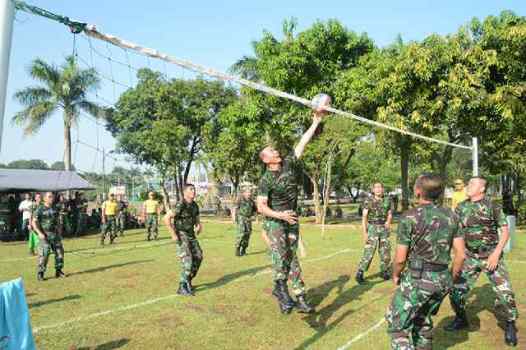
[
  {"x": 493, "y": 261},
  {"x": 289, "y": 217},
  {"x": 42, "y": 237}
]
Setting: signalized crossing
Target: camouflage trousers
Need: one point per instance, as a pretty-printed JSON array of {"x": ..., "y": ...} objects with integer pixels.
[
  {"x": 377, "y": 236},
  {"x": 283, "y": 239},
  {"x": 408, "y": 318},
  {"x": 244, "y": 230},
  {"x": 152, "y": 226},
  {"x": 191, "y": 255},
  {"x": 121, "y": 223},
  {"x": 52, "y": 244},
  {"x": 109, "y": 227},
  {"x": 500, "y": 282}
]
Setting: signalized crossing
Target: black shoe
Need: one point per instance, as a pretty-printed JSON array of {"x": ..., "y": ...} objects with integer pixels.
[
  {"x": 40, "y": 276},
  {"x": 148, "y": 238},
  {"x": 243, "y": 251},
  {"x": 183, "y": 289},
  {"x": 459, "y": 323},
  {"x": 281, "y": 292},
  {"x": 359, "y": 277},
  {"x": 510, "y": 334},
  {"x": 60, "y": 274},
  {"x": 302, "y": 305},
  {"x": 238, "y": 251},
  {"x": 386, "y": 276}
]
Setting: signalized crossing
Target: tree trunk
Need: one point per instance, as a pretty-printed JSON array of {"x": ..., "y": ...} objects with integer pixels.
[
  {"x": 166, "y": 196},
  {"x": 177, "y": 188},
  {"x": 405, "y": 147},
  {"x": 444, "y": 161},
  {"x": 316, "y": 197},
  {"x": 67, "y": 142},
  {"x": 326, "y": 195}
]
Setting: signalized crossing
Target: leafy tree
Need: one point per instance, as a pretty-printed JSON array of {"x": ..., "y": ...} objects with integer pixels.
[
  {"x": 62, "y": 88},
  {"x": 305, "y": 64},
  {"x": 59, "y": 165},
  {"x": 28, "y": 164},
  {"x": 162, "y": 122}
]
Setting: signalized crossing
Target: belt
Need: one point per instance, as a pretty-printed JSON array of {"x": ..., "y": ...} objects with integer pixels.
[
  {"x": 377, "y": 222},
  {"x": 429, "y": 267}
]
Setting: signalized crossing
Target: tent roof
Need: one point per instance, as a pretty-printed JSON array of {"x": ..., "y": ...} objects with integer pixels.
[{"x": 16, "y": 180}]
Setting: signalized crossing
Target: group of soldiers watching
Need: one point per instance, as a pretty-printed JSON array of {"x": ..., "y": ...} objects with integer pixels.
[{"x": 475, "y": 229}]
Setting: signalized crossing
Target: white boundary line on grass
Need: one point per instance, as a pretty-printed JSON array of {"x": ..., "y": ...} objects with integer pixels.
[
  {"x": 156, "y": 300},
  {"x": 362, "y": 335}
]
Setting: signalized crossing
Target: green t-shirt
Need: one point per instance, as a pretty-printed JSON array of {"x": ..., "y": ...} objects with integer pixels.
[
  {"x": 428, "y": 231},
  {"x": 480, "y": 222},
  {"x": 378, "y": 209},
  {"x": 281, "y": 187}
]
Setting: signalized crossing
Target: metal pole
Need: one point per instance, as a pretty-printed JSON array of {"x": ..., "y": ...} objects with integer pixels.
[
  {"x": 475, "y": 149},
  {"x": 7, "y": 15},
  {"x": 104, "y": 171}
]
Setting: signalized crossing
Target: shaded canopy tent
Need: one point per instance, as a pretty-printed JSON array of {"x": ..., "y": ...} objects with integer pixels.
[{"x": 31, "y": 180}]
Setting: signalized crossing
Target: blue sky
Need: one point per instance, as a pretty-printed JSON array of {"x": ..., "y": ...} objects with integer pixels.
[{"x": 212, "y": 33}]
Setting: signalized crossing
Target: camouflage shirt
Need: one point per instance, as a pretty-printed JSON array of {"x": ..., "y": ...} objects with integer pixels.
[
  {"x": 428, "y": 231},
  {"x": 122, "y": 206},
  {"x": 480, "y": 222},
  {"x": 377, "y": 209},
  {"x": 281, "y": 187},
  {"x": 186, "y": 216},
  {"x": 47, "y": 218},
  {"x": 246, "y": 207}
]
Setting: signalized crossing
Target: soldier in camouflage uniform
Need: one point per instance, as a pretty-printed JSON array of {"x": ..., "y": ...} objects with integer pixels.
[
  {"x": 122, "y": 215},
  {"x": 481, "y": 220},
  {"x": 243, "y": 212},
  {"x": 278, "y": 203},
  {"x": 376, "y": 224},
  {"x": 426, "y": 235},
  {"x": 46, "y": 224},
  {"x": 184, "y": 225},
  {"x": 62, "y": 207}
]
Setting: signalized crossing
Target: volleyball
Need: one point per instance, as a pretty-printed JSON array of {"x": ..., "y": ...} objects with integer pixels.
[{"x": 320, "y": 101}]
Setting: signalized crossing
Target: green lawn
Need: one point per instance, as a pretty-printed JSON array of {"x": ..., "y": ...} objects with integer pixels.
[{"x": 123, "y": 297}]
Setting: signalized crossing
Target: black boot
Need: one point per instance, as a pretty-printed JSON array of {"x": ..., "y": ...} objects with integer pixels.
[
  {"x": 183, "y": 289},
  {"x": 386, "y": 275},
  {"x": 60, "y": 274},
  {"x": 359, "y": 277},
  {"x": 281, "y": 292},
  {"x": 302, "y": 305},
  {"x": 510, "y": 334},
  {"x": 40, "y": 276},
  {"x": 460, "y": 322},
  {"x": 238, "y": 251}
]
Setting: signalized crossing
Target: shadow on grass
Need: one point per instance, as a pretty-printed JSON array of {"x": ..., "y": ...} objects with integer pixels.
[
  {"x": 51, "y": 301},
  {"x": 114, "y": 344},
  {"x": 230, "y": 278},
  {"x": 484, "y": 300},
  {"x": 319, "y": 320},
  {"x": 109, "y": 267},
  {"x": 259, "y": 252}
]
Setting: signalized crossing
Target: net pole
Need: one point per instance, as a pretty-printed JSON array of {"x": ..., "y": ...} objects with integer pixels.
[
  {"x": 7, "y": 15},
  {"x": 475, "y": 156}
]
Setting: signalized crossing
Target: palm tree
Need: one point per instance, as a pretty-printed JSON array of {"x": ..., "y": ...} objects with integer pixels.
[{"x": 62, "y": 88}]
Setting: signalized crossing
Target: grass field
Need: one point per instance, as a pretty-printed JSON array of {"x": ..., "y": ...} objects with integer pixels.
[{"x": 123, "y": 297}]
